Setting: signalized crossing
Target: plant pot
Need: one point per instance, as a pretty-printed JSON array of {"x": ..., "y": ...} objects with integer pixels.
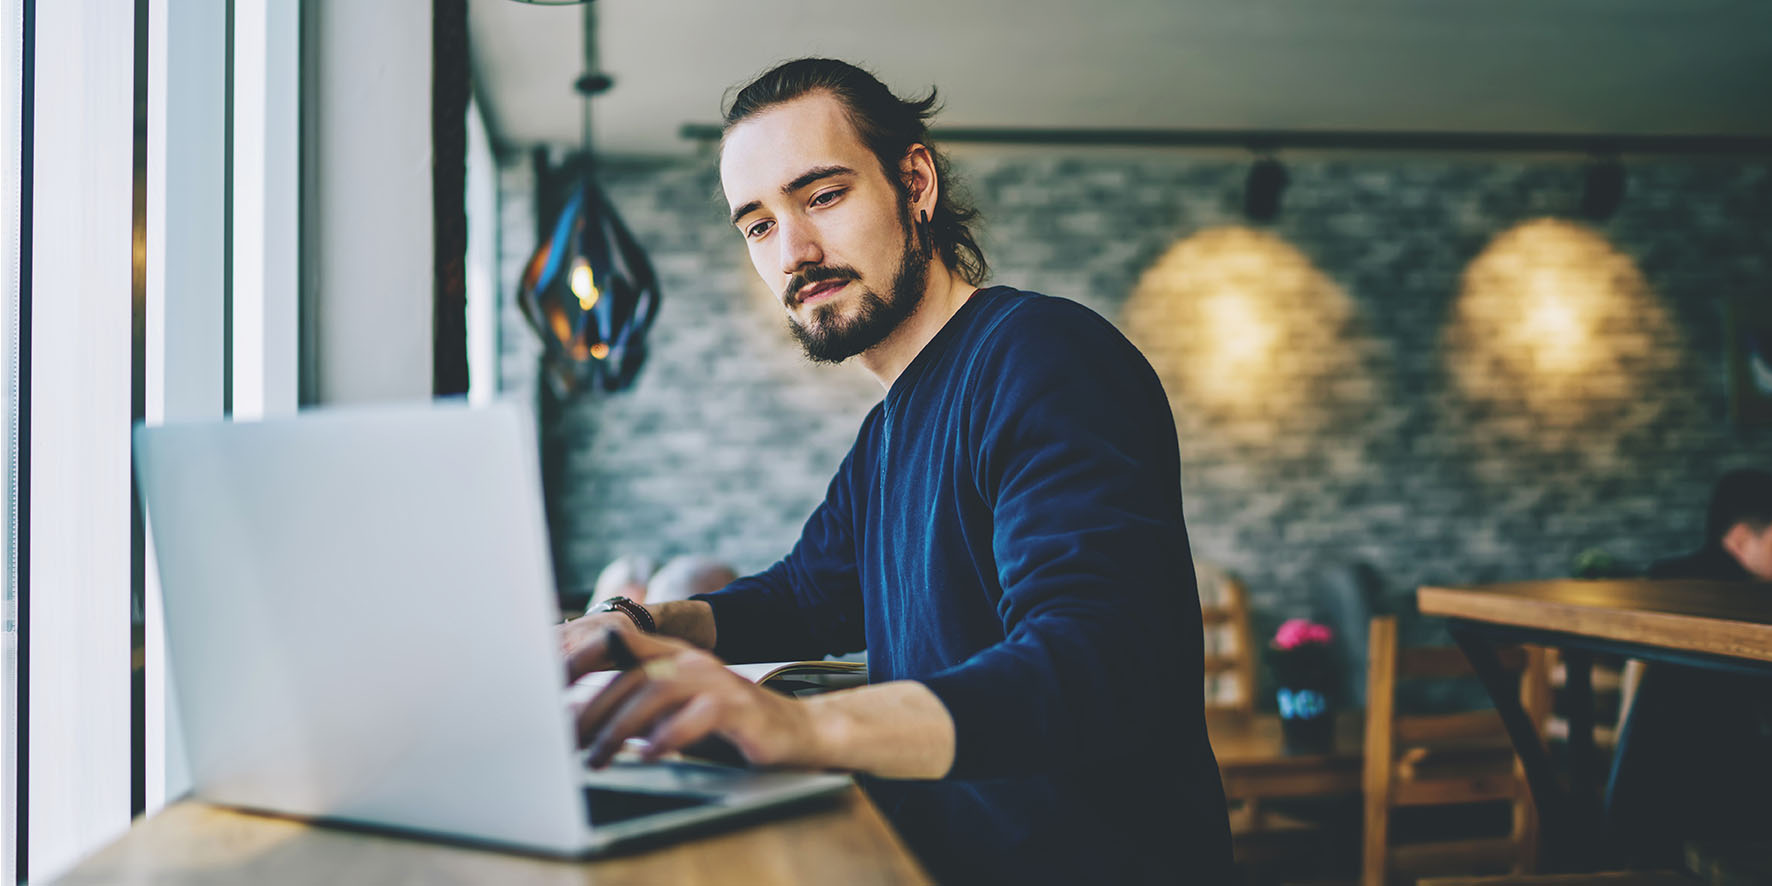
[{"x": 1307, "y": 722}]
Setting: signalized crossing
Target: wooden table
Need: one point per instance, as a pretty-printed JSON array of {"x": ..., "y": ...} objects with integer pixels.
[
  {"x": 1253, "y": 762},
  {"x": 1707, "y": 623},
  {"x": 192, "y": 843},
  {"x": 1713, "y": 625},
  {"x": 1255, "y": 768}
]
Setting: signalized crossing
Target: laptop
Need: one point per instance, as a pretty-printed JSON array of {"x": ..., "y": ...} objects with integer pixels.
[{"x": 359, "y": 612}]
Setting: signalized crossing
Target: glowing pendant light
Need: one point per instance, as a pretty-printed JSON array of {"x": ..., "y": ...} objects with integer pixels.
[{"x": 590, "y": 291}]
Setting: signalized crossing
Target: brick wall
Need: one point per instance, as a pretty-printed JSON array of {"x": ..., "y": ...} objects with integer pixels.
[{"x": 1416, "y": 366}]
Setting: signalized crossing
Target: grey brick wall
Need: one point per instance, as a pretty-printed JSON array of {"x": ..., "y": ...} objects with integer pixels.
[{"x": 1390, "y": 412}]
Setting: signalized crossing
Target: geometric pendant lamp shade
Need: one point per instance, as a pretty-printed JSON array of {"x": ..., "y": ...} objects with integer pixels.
[{"x": 591, "y": 294}]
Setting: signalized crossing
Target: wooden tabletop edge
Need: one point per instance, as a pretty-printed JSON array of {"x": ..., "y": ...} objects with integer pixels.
[{"x": 1682, "y": 631}]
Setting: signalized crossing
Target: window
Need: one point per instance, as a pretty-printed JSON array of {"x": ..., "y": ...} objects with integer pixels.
[{"x": 209, "y": 314}]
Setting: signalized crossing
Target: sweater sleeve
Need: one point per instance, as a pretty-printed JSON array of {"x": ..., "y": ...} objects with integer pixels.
[
  {"x": 808, "y": 605},
  {"x": 1075, "y": 453}
]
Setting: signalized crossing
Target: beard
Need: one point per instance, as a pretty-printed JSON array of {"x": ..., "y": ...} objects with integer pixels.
[{"x": 832, "y": 337}]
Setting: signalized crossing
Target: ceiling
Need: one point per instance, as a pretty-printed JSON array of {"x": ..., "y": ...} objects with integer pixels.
[{"x": 1541, "y": 66}]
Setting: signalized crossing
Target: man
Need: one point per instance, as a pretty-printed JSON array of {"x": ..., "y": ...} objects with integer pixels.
[
  {"x": 625, "y": 576},
  {"x": 686, "y": 576},
  {"x": 1005, "y": 538},
  {"x": 1696, "y": 754},
  {"x": 632, "y": 576},
  {"x": 1737, "y": 533}
]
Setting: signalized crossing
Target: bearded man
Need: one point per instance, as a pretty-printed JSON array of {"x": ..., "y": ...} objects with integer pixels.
[{"x": 1005, "y": 538}]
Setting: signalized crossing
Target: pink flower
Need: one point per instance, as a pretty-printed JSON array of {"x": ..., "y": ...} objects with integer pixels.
[{"x": 1296, "y": 632}]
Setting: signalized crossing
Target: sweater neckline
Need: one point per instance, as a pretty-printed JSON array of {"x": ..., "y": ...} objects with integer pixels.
[
  {"x": 908, "y": 378},
  {"x": 1721, "y": 563}
]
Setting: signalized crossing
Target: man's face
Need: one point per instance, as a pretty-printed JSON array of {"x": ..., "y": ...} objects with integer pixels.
[
  {"x": 1752, "y": 549},
  {"x": 826, "y": 229}
]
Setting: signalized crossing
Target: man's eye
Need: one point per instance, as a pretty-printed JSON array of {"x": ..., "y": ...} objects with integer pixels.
[
  {"x": 757, "y": 230},
  {"x": 825, "y": 198}
]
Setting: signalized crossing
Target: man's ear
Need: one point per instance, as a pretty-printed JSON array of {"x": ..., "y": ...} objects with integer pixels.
[
  {"x": 917, "y": 170},
  {"x": 1737, "y": 539}
]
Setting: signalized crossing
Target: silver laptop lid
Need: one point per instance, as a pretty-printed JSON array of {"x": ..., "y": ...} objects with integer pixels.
[{"x": 357, "y": 611}]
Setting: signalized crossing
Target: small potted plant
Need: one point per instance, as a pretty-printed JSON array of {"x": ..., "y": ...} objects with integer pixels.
[{"x": 1304, "y": 672}]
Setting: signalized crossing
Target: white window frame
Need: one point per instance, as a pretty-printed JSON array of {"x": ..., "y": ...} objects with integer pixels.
[
  {"x": 77, "y": 777},
  {"x": 11, "y": 144},
  {"x": 187, "y": 138},
  {"x": 267, "y": 217},
  {"x": 481, "y": 260}
]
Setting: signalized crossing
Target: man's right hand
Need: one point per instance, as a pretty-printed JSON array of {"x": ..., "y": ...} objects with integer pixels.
[{"x": 583, "y": 642}]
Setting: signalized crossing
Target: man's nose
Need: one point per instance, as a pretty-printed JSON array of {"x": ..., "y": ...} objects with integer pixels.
[{"x": 799, "y": 247}]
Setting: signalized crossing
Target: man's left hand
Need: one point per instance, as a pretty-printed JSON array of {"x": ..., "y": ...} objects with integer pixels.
[{"x": 678, "y": 695}]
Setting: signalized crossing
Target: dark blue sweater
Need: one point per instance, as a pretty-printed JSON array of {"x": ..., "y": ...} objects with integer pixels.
[{"x": 1008, "y": 530}]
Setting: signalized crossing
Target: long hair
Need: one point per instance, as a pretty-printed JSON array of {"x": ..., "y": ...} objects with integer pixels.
[{"x": 888, "y": 125}]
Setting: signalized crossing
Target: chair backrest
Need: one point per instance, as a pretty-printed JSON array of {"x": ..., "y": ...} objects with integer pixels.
[
  {"x": 1230, "y": 651},
  {"x": 1613, "y": 686},
  {"x": 1346, "y": 594},
  {"x": 1416, "y": 760}
]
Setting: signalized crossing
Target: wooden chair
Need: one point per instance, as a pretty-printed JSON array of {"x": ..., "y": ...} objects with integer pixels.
[
  {"x": 1259, "y": 835},
  {"x": 1609, "y": 692},
  {"x": 1614, "y": 689},
  {"x": 1415, "y": 761},
  {"x": 1230, "y": 649}
]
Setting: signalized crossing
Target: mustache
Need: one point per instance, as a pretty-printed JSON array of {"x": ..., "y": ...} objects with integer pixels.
[{"x": 819, "y": 274}]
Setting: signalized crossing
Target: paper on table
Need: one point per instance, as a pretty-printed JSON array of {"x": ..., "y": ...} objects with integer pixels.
[{"x": 765, "y": 671}]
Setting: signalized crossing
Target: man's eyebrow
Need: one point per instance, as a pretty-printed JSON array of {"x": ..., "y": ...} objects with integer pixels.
[
  {"x": 800, "y": 181},
  {"x": 745, "y": 210},
  {"x": 814, "y": 174}
]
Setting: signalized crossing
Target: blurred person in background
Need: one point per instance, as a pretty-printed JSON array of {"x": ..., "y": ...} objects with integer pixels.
[
  {"x": 626, "y": 576},
  {"x": 685, "y": 576},
  {"x": 1695, "y": 756},
  {"x": 1737, "y": 533}
]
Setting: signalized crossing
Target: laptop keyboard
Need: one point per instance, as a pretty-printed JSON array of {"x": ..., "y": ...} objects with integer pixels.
[{"x": 606, "y": 806}]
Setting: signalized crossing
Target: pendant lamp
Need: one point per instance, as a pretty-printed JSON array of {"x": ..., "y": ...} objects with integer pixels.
[{"x": 589, "y": 290}]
